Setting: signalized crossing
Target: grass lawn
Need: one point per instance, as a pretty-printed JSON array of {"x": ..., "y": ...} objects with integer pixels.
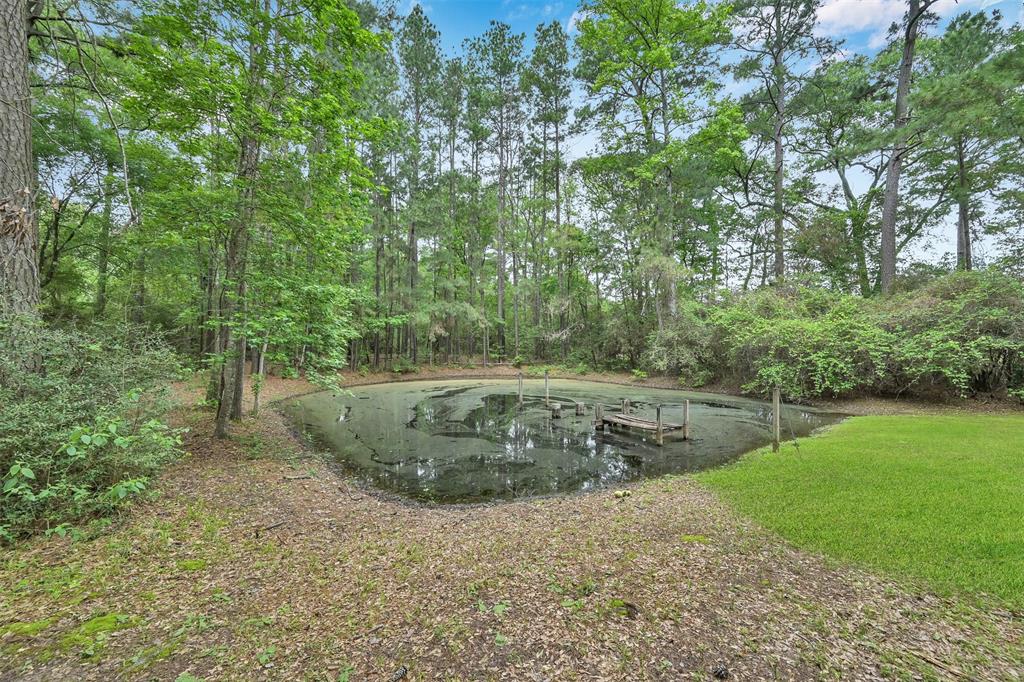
[{"x": 936, "y": 498}]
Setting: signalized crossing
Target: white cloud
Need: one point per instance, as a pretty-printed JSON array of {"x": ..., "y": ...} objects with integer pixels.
[
  {"x": 850, "y": 16},
  {"x": 842, "y": 17},
  {"x": 574, "y": 20},
  {"x": 878, "y": 40},
  {"x": 427, "y": 9}
]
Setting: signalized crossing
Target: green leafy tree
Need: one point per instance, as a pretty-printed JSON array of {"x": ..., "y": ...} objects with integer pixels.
[{"x": 969, "y": 75}]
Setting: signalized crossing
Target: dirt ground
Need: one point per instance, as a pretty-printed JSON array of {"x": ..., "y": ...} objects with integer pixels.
[{"x": 256, "y": 561}]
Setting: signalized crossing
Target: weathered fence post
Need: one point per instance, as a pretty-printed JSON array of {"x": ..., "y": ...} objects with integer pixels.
[
  {"x": 686, "y": 420},
  {"x": 660, "y": 434},
  {"x": 547, "y": 393},
  {"x": 598, "y": 416},
  {"x": 625, "y": 406},
  {"x": 776, "y": 418},
  {"x": 520, "y": 388},
  {"x": 556, "y": 410},
  {"x": 581, "y": 409}
]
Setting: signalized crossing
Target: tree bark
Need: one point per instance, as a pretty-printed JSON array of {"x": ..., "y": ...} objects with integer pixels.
[
  {"x": 231, "y": 379},
  {"x": 890, "y": 205},
  {"x": 502, "y": 142},
  {"x": 964, "y": 257},
  {"x": 19, "y": 273},
  {"x": 779, "y": 171}
]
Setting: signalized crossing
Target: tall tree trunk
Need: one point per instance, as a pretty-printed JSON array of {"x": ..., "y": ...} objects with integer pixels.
[
  {"x": 779, "y": 171},
  {"x": 538, "y": 340},
  {"x": 964, "y": 258},
  {"x": 19, "y": 273},
  {"x": 410, "y": 330},
  {"x": 231, "y": 379},
  {"x": 502, "y": 225},
  {"x": 890, "y": 205},
  {"x": 378, "y": 255},
  {"x": 668, "y": 236},
  {"x": 515, "y": 304},
  {"x": 565, "y": 283},
  {"x": 858, "y": 231},
  {"x": 563, "y": 317}
]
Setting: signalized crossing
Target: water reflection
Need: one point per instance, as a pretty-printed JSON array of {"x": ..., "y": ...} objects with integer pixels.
[{"x": 471, "y": 440}]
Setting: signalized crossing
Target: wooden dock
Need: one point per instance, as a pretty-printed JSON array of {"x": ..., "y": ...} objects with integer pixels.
[
  {"x": 626, "y": 420},
  {"x": 634, "y": 422}
]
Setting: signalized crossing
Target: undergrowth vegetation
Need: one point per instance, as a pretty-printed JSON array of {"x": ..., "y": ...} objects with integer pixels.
[
  {"x": 81, "y": 428},
  {"x": 959, "y": 335}
]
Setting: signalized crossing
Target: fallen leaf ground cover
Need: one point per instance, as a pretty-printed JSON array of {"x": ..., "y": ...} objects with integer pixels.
[{"x": 257, "y": 561}]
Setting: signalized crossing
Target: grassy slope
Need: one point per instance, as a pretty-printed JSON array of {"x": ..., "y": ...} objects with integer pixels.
[{"x": 939, "y": 498}]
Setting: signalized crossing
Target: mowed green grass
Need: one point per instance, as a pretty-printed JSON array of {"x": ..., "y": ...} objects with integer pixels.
[{"x": 938, "y": 499}]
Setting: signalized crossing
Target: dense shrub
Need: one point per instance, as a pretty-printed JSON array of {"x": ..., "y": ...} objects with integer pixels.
[
  {"x": 80, "y": 429},
  {"x": 682, "y": 348},
  {"x": 806, "y": 351},
  {"x": 961, "y": 334}
]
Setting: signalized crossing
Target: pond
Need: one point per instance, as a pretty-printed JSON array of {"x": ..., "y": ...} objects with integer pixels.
[{"x": 469, "y": 440}]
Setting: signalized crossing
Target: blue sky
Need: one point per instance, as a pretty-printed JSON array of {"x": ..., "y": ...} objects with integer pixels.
[
  {"x": 862, "y": 23},
  {"x": 461, "y": 19}
]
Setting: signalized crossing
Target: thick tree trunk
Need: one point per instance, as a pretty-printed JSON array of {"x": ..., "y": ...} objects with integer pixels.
[
  {"x": 887, "y": 275},
  {"x": 19, "y": 273}
]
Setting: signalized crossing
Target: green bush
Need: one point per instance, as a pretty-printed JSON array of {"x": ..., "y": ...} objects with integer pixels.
[
  {"x": 682, "y": 348},
  {"x": 807, "y": 350},
  {"x": 81, "y": 429},
  {"x": 962, "y": 334},
  {"x": 404, "y": 366}
]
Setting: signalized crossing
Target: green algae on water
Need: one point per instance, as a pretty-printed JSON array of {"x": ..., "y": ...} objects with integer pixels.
[{"x": 471, "y": 441}]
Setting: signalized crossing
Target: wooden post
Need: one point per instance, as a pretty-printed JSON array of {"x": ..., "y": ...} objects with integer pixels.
[
  {"x": 776, "y": 418},
  {"x": 661, "y": 435},
  {"x": 556, "y": 410},
  {"x": 520, "y": 388},
  {"x": 580, "y": 409},
  {"x": 547, "y": 393},
  {"x": 686, "y": 420},
  {"x": 625, "y": 406},
  {"x": 598, "y": 416}
]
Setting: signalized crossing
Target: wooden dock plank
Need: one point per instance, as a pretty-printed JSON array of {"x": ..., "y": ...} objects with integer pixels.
[{"x": 634, "y": 422}]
